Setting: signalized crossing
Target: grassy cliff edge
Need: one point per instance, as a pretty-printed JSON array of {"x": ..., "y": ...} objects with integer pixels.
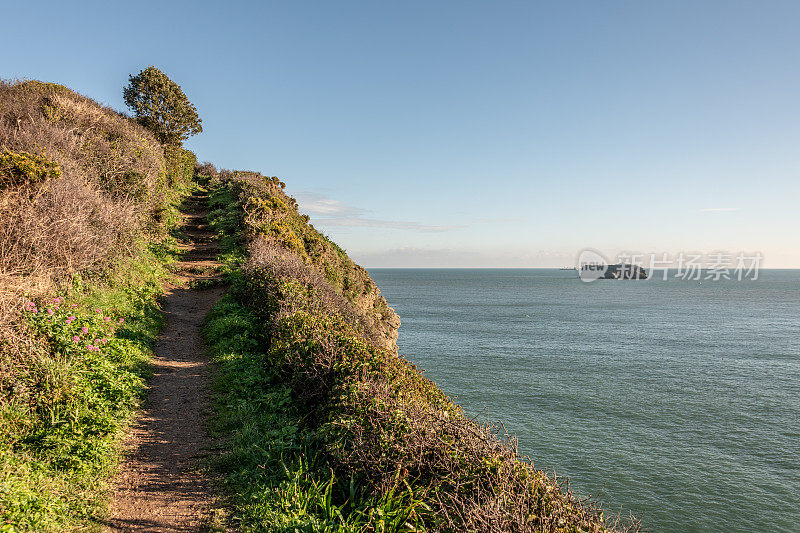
[{"x": 325, "y": 427}]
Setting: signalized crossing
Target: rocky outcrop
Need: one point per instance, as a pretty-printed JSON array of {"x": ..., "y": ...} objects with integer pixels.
[{"x": 624, "y": 271}]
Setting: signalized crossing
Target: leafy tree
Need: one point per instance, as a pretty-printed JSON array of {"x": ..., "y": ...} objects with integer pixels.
[{"x": 160, "y": 106}]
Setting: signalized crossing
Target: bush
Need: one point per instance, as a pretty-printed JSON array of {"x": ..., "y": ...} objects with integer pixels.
[
  {"x": 268, "y": 212},
  {"x": 21, "y": 168},
  {"x": 80, "y": 183},
  {"x": 180, "y": 165}
]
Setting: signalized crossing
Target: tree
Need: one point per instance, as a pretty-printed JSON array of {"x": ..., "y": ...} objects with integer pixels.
[{"x": 160, "y": 106}]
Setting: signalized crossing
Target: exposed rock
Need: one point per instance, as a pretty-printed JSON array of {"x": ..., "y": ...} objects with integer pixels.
[{"x": 624, "y": 271}]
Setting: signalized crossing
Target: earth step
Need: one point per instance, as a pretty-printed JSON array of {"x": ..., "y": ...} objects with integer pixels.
[
  {"x": 200, "y": 255},
  {"x": 196, "y": 227},
  {"x": 201, "y": 232},
  {"x": 204, "y": 271},
  {"x": 201, "y": 239}
]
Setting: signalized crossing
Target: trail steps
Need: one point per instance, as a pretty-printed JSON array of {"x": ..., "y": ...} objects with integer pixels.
[{"x": 160, "y": 486}]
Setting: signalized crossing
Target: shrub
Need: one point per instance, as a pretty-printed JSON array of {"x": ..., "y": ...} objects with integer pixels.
[
  {"x": 206, "y": 170},
  {"x": 266, "y": 210},
  {"x": 180, "y": 165},
  {"x": 112, "y": 181},
  {"x": 160, "y": 105},
  {"x": 87, "y": 140},
  {"x": 21, "y": 168}
]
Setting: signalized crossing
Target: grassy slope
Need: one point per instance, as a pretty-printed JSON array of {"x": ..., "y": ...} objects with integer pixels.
[
  {"x": 324, "y": 428},
  {"x": 88, "y": 198},
  {"x": 58, "y": 451}
]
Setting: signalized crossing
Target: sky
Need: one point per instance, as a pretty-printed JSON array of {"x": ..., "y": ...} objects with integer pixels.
[{"x": 473, "y": 134}]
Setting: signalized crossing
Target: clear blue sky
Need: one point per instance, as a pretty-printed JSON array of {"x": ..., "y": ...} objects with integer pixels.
[{"x": 473, "y": 133}]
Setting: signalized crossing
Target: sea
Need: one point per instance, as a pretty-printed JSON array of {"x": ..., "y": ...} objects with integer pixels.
[{"x": 677, "y": 400}]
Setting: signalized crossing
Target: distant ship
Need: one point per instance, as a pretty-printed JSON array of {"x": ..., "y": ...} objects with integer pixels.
[{"x": 568, "y": 268}]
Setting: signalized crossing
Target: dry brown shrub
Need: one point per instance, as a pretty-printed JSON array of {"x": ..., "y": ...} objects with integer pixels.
[
  {"x": 87, "y": 139},
  {"x": 112, "y": 174},
  {"x": 470, "y": 472},
  {"x": 206, "y": 169},
  {"x": 62, "y": 227},
  {"x": 269, "y": 261}
]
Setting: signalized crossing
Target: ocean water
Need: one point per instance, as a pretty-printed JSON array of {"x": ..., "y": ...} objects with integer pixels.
[{"x": 678, "y": 401}]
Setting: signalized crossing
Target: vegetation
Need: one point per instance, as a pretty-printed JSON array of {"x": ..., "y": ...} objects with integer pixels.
[
  {"x": 275, "y": 470},
  {"x": 66, "y": 398},
  {"x": 326, "y": 428},
  {"x": 23, "y": 168},
  {"x": 257, "y": 211},
  {"x": 87, "y": 198},
  {"x": 323, "y": 426},
  {"x": 160, "y": 105}
]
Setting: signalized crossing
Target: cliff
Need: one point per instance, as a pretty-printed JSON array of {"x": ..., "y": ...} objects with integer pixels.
[
  {"x": 317, "y": 342},
  {"x": 268, "y": 220}
]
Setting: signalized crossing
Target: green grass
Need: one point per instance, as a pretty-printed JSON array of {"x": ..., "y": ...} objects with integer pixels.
[
  {"x": 273, "y": 469},
  {"x": 60, "y": 439}
]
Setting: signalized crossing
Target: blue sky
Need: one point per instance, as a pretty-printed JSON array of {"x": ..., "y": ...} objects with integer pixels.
[{"x": 473, "y": 133}]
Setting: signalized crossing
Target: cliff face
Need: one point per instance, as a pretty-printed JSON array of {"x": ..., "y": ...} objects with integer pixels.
[
  {"x": 271, "y": 223},
  {"x": 316, "y": 332}
]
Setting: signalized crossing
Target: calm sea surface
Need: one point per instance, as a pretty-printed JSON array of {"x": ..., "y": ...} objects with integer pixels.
[{"x": 677, "y": 400}]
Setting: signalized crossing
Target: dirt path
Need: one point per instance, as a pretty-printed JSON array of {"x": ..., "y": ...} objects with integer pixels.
[{"x": 159, "y": 487}]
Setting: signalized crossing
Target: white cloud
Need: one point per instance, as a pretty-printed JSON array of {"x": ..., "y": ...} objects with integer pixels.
[
  {"x": 329, "y": 212},
  {"x": 318, "y": 204},
  {"x": 361, "y": 222},
  {"x": 718, "y": 209}
]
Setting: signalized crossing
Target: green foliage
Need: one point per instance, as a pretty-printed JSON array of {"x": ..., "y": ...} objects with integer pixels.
[
  {"x": 43, "y": 87},
  {"x": 283, "y": 233},
  {"x": 19, "y": 168},
  {"x": 61, "y": 426},
  {"x": 273, "y": 466},
  {"x": 264, "y": 214},
  {"x": 180, "y": 165},
  {"x": 161, "y": 106},
  {"x": 226, "y": 217}
]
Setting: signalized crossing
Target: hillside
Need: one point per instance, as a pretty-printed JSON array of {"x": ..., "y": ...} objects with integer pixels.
[
  {"x": 354, "y": 421},
  {"x": 318, "y": 423},
  {"x": 87, "y": 199}
]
